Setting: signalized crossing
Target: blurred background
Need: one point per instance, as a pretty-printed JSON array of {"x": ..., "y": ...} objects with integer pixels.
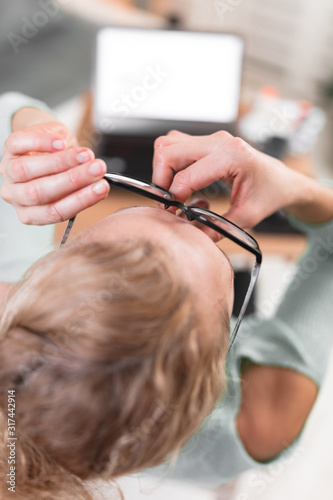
[
  {"x": 47, "y": 46},
  {"x": 48, "y": 51}
]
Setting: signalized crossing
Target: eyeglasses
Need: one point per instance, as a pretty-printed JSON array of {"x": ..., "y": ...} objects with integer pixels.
[{"x": 203, "y": 216}]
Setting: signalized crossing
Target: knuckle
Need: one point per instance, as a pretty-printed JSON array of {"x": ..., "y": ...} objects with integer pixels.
[
  {"x": 222, "y": 135},
  {"x": 239, "y": 146},
  {"x": 73, "y": 178},
  {"x": 32, "y": 194},
  {"x": 7, "y": 144},
  {"x": 71, "y": 155},
  {"x": 53, "y": 215},
  {"x": 18, "y": 170},
  {"x": 173, "y": 132},
  {"x": 183, "y": 178},
  {"x": 4, "y": 194},
  {"x": 58, "y": 163},
  {"x": 162, "y": 156},
  {"x": 69, "y": 159},
  {"x": 11, "y": 142},
  {"x": 160, "y": 142},
  {"x": 24, "y": 217}
]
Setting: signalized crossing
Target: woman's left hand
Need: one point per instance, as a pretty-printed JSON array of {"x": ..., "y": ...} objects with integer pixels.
[{"x": 260, "y": 185}]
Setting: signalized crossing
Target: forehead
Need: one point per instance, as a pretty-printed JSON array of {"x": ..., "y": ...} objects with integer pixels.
[
  {"x": 140, "y": 221},
  {"x": 175, "y": 234}
]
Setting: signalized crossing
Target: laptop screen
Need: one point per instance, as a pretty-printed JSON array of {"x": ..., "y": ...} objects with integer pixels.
[{"x": 154, "y": 80}]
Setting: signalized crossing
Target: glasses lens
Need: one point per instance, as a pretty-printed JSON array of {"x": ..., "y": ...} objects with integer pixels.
[
  {"x": 144, "y": 186},
  {"x": 227, "y": 226}
]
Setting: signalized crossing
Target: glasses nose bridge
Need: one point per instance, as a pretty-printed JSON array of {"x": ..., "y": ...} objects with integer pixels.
[{"x": 187, "y": 211}]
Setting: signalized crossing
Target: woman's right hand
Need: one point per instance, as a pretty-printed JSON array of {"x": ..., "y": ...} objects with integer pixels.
[
  {"x": 260, "y": 185},
  {"x": 47, "y": 177}
]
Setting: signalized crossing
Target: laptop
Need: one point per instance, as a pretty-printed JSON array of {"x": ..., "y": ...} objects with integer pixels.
[{"x": 148, "y": 82}]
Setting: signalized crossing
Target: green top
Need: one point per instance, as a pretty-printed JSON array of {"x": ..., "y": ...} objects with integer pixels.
[{"x": 298, "y": 337}]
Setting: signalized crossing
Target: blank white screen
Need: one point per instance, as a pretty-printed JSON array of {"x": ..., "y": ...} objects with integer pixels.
[{"x": 168, "y": 75}]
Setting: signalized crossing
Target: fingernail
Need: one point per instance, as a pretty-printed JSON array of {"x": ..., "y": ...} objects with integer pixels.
[
  {"x": 101, "y": 188},
  {"x": 97, "y": 169},
  {"x": 83, "y": 157},
  {"x": 59, "y": 144}
]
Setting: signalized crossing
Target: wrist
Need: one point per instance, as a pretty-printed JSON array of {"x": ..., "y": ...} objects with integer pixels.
[
  {"x": 312, "y": 203},
  {"x": 28, "y": 117}
]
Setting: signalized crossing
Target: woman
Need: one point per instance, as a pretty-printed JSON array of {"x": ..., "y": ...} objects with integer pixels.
[{"x": 115, "y": 344}]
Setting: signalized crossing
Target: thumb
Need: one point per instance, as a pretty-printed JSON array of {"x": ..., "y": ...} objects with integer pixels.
[{"x": 238, "y": 216}]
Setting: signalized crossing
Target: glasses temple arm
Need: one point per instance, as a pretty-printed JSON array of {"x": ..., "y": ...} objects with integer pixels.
[
  {"x": 68, "y": 230},
  {"x": 254, "y": 277}
]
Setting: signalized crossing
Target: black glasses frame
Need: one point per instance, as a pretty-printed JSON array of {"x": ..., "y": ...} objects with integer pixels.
[{"x": 192, "y": 213}]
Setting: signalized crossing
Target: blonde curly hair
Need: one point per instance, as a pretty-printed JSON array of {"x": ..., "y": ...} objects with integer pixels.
[{"x": 107, "y": 356}]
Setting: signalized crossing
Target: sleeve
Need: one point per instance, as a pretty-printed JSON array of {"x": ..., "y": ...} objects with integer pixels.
[
  {"x": 20, "y": 245},
  {"x": 300, "y": 335}
]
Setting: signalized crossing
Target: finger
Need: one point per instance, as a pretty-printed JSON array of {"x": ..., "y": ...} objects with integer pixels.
[
  {"x": 24, "y": 142},
  {"x": 222, "y": 164},
  {"x": 26, "y": 168},
  {"x": 201, "y": 174},
  {"x": 48, "y": 189},
  {"x": 176, "y": 157},
  {"x": 171, "y": 137},
  {"x": 67, "y": 207},
  {"x": 175, "y": 136},
  {"x": 178, "y": 133}
]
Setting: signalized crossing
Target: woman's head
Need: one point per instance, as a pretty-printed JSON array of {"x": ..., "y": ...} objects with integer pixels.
[
  {"x": 113, "y": 362},
  {"x": 197, "y": 261}
]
